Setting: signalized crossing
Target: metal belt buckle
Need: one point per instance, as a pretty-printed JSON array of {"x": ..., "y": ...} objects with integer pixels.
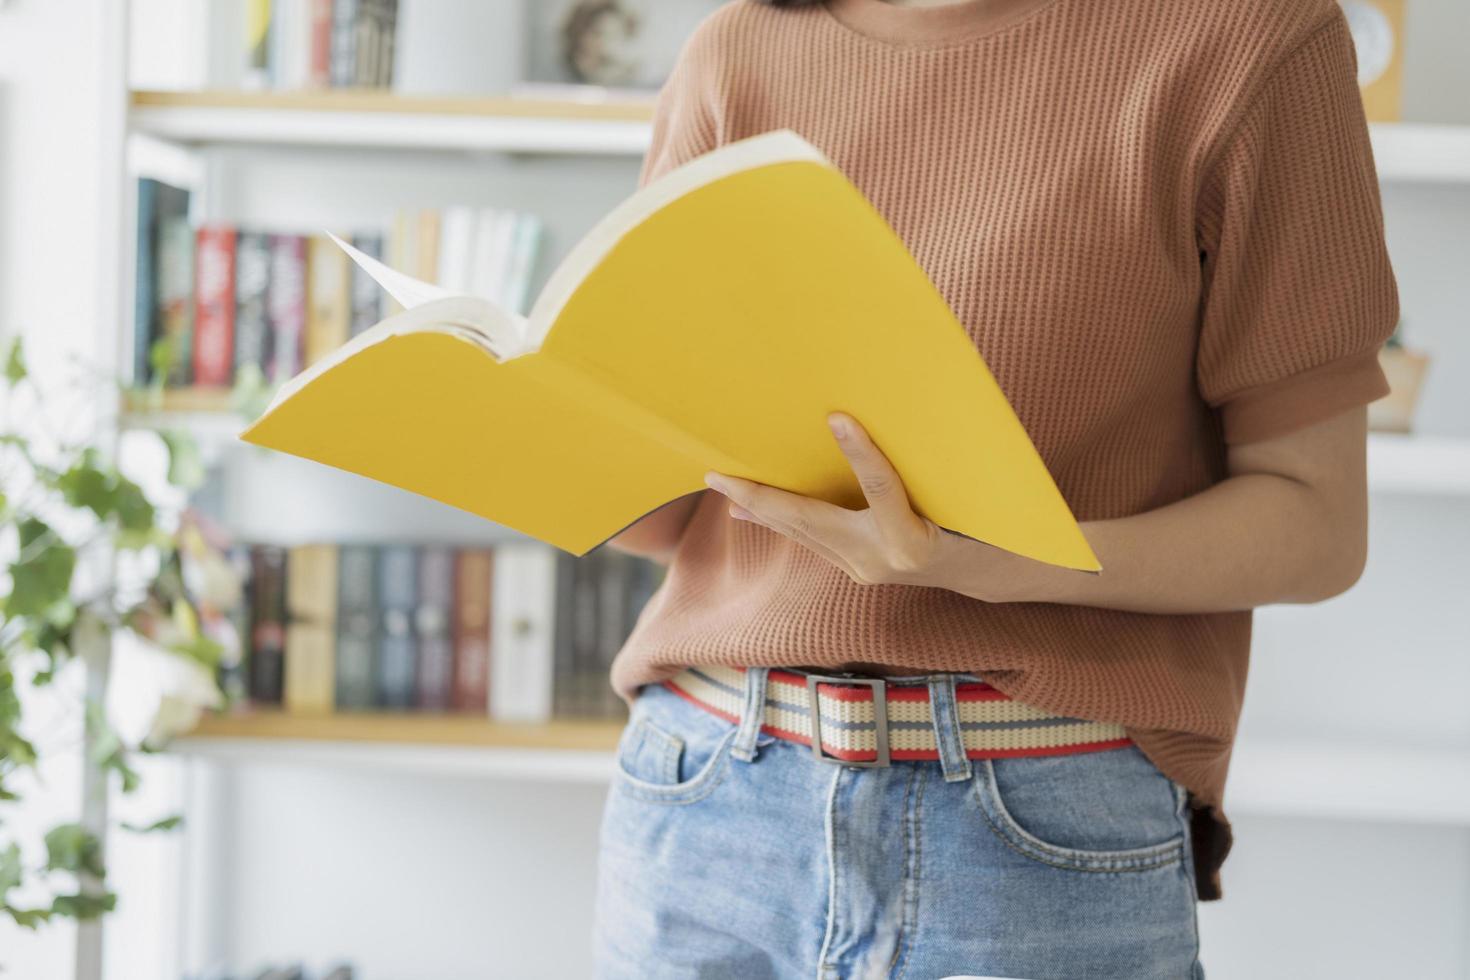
[{"x": 880, "y": 717}]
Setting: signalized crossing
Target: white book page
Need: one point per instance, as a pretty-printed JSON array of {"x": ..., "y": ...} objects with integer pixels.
[{"x": 504, "y": 332}]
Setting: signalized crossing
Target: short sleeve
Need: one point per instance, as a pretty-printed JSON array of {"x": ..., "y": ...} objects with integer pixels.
[
  {"x": 684, "y": 116},
  {"x": 1298, "y": 292}
]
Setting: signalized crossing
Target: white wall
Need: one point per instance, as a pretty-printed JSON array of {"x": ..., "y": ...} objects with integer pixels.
[{"x": 49, "y": 191}]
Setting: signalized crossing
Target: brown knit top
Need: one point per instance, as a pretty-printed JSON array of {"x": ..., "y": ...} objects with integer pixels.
[{"x": 1159, "y": 222}]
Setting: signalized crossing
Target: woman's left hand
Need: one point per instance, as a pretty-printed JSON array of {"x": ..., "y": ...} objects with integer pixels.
[{"x": 887, "y": 543}]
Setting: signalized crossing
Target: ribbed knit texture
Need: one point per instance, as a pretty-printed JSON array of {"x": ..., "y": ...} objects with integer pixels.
[{"x": 1159, "y": 222}]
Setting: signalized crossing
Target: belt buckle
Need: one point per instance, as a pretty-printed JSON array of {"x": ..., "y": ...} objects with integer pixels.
[{"x": 879, "y": 687}]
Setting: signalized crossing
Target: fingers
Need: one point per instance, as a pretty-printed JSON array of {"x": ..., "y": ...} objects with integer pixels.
[
  {"x": 803, "y": 516},
  {"x": 882, "y": 488}
]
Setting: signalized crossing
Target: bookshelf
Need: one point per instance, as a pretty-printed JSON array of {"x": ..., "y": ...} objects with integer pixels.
[
  {"x": 371, "y": 119},
  {"x": 1403, "y": 152},
  {"x": 411, "y": 729}
]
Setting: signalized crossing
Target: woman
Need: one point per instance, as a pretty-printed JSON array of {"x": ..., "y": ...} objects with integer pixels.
[{"x": 1159, "y": 223}]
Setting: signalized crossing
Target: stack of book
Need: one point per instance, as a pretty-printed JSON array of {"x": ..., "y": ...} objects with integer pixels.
[
  {"x": 230, "y": 299},
  {"x": 306, "y": 44},
  {"x": 519, "y": 632}
]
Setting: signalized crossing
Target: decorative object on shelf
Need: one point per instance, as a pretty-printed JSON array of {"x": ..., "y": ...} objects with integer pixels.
[
  {"x": 617, "y": 44},
  {"x": 1405, "y": 369},
  {"x": 1378, "y": 32},
  {"x": 92, "y": 559}
]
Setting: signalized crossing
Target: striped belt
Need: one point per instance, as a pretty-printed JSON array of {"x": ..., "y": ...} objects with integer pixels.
[{"x": 870, "y": 721}]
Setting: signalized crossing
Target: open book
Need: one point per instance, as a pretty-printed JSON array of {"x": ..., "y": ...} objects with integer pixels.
[{"x": 709, "y": 322}]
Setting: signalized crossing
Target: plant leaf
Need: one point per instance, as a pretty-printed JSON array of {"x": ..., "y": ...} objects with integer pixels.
[
  {"x": 42, "y": 575},
  {"x": 15, "y": 363},
  {"x": 83, "y": 905},
  {"x": 167, "y": 823},
  {"x": 72, "y": 847},
  {"x": 185, "y": 465}
]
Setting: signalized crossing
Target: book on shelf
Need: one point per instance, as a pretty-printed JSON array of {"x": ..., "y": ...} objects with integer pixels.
[
  {"x": 252, "y": 281},
  {"x": 329, "y": 310},
  {"x": 286, "y": 306},
  {"x": 161, "y": 303},
  {"x": 472, "y": 591},
  {"x": 214, "y": 306},
  {"x": 311, "y": 630},
  {"x": 711, "y": 321},
  {"x": 282, "y": 301},
  {"x": 357, "y": 627},
  {"x": 434, "y": 629},
  {"x": 398, "y": 593},
  {"x": 304, "y": 44},
  {"x": 266, "y": 670}
]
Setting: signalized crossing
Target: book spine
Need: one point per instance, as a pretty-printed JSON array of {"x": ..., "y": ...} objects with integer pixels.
[
  {"x": 329, "y": 315},
  {"x": 367, "y": 307},
  {"x": 503, "y": 257},
  {"x": 388, "y": 43},
  {"x": 252, "y": 284},
  {"x": 397, "y": 648},
  {"x": 433, "y": 628},
  {"x": 286, "y": 305},
  {"x": 311, "y": 631},
  {"x": 428, "y": 248},
  {"x": 145, "y": 282},
  {"x": 175, "y": 303},
  {"x": 472, "y": 612},
  {"x": 575, "y": 644},
  {"x": 257, "y": 44},
  {"x": 523, "y": 628},
  {"x": 268, "y": 623},
  {"x": 614, "y": 623},
  {"x": 214, "y": 305},
  {"x": 344, "y": 43},
  {"x": 233, "y": 668},
  {"x": 319, "y": 74},
  {"x": 524, "y": 255},
  {"x": 456, "y": 248},
  {"x": 356, "y": 626},
  {"x": 365, "y": 43}
]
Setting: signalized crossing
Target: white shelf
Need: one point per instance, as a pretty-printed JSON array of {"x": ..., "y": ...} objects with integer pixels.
[
  {"x": 1418, "y": 465},
  {"x": 1301, "y": 778},
  {"x": 458, "y": 761},
  {"x": 1421, "y": 152},
  {"x": 1268, "y": 777},
  {"x": 364, "y": 120}
]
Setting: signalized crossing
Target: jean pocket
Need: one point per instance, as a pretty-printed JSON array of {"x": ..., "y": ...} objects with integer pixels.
[
  {"x": 1111, "y": 810},
  {"x": 662, "y": 761}
]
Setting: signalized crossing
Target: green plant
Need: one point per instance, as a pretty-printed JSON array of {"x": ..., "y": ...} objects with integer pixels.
[{"x": 89, "y": 557}]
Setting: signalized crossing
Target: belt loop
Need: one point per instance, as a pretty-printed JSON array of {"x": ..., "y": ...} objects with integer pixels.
[
  {"x": 752, "y": 715},
  {"x": 947, "y": 734}
]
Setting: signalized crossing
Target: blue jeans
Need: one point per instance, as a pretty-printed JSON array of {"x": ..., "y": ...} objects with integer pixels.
[{"x": 726, "y": 852}]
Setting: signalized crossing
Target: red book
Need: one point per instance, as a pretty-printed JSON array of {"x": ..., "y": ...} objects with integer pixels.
[
  {"x": 214, "y": 305},
  {"x": 471, "y": 685},
  {"x": 320, "y": 73}
]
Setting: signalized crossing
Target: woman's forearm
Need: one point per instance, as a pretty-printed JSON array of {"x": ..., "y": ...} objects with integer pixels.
[
  {"x": 657, "y": 535},
  {"x": 1248, "y": 541},
  {"x": 1290, "y": 525}
]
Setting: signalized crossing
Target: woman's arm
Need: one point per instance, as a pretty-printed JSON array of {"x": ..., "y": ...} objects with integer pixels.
[
  {"x": 1289, "y": 524},
  {"x": 656, "y": 535}
]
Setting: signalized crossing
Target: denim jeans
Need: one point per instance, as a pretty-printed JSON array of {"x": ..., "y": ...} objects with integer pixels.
[{"x": 726, "y": 852}]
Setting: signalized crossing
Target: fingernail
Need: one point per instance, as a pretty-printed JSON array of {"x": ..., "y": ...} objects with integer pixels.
[
  {"x": 837, "y": 425},
  {"x": 740, "y": 513},
  {"x": 713, "y": 481}
]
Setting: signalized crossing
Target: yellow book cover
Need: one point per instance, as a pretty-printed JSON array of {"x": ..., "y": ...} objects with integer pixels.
[{"x": 709, "y": 322}]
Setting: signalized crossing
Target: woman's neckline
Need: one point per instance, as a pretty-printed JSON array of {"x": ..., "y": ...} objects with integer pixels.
[{"x": 944, "y": 23}]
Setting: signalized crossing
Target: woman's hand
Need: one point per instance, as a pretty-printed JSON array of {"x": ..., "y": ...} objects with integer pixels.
[{"x": 887, "y": 543}]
